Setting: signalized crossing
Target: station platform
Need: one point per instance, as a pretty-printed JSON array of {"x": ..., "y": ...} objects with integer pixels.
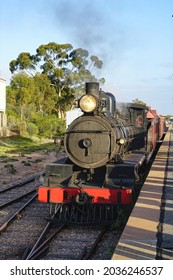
[{"x": 148, "y": 234}]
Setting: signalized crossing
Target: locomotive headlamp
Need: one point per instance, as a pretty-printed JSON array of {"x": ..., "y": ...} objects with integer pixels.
[
  {"x": 88, "y": 103},
  {"x": 121, "y": 141}
]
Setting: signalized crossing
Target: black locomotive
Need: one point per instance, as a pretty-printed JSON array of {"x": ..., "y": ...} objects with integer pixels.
[{"x": 106, "y": 148}]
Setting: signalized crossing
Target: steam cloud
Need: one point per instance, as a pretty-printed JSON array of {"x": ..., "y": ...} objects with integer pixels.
[{"x": 88, "y": 23}]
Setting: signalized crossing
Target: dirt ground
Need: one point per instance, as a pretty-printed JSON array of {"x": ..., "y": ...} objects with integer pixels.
[{"x": 19, "y": 167}]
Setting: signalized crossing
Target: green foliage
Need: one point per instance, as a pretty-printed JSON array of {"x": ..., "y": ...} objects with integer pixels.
[
  {"x": 13, "y": 120},
  {"x": 63, "y": 65},
  {"x": 168, "y": 117},
  {"x": 10, "y": 168},
  {"x": 138, "y": 101},
  {"x": 16, "y": 141},
  {"x": 19, "y": 146},
  {"x": 44, "y": 86},
  {"x": 32, "y": 129},
  {"x": 24, "y": 62},
  {"x": 45, "y": 96},
  {"x": 49, "y": 125}
]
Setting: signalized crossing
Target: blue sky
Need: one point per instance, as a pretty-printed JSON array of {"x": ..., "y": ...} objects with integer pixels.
[{"x": 134, "y": 39}]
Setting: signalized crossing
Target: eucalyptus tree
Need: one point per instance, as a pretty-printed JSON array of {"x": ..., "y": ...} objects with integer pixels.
[
  {"x": 64, "y": 66},
  {"x": 20, "y": 98},
  {"x": 48, "y": 81},
  {"x": 28, "y": 97}
]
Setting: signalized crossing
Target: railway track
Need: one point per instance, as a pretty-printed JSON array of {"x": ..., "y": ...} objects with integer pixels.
[
  {"x": 15, "y": 198},
  {"x": 25, "y": 234},
  {"x": 23, "y": 231},
  {"x": 66, "y": 242},
  {"x": 18, "y": 214},
  {"x": 15, "y": 214},
  {"x": 30, "y": 237},
  {"x": 16, "y": 191},
  {"x": 21, "y": 182}
]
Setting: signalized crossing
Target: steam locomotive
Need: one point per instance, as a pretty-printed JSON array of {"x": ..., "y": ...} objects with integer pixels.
[{"x": 106, "y": 149}]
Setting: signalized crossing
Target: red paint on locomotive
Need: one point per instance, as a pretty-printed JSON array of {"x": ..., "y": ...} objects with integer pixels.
[{"x": 98, "y": 195}]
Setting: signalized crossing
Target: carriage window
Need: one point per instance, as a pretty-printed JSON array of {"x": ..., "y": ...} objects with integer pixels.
[{"x": 139, "y": 119}]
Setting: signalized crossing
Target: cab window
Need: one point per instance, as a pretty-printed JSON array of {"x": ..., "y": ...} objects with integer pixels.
[{"x": 139, "y": 119}]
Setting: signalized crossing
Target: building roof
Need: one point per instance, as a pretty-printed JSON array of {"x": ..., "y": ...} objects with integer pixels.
[{"x": 2, "y": 79}]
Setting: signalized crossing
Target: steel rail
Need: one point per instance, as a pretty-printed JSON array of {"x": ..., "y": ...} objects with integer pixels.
[
  {"x": 93, "y": 247},
  {"x": 5, "y": 225},
  {"x": 21, "y": 183},
  {"x": 16, "y": 199},
  {"x": 38, "y": 248}
]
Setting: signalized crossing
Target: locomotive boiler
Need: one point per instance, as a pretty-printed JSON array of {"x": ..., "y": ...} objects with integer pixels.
[{"x": 105, "y": 150}]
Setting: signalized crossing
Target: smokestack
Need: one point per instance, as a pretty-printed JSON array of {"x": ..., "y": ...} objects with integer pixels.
[{"x": 92, "y": 88}]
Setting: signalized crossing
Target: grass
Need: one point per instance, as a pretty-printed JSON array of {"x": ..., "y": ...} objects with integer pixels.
[{"x": 18, "y": 146}]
